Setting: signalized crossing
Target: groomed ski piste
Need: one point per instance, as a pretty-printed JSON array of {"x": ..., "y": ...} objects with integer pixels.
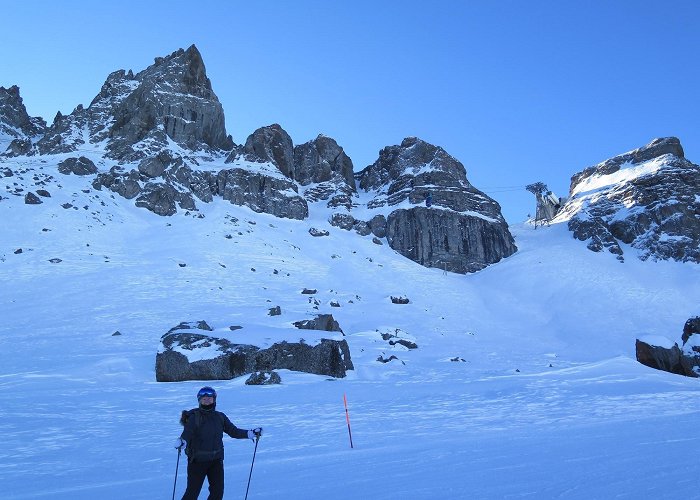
[{"x": 524, "y": 383}]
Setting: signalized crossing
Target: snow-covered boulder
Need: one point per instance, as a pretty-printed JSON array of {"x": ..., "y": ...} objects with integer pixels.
[
  {"x": 663, "y": 354},
  {"x": 188, "y": 353}
]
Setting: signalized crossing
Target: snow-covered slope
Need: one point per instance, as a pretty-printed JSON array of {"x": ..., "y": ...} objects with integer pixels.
[{"x": 524, "y": 382}]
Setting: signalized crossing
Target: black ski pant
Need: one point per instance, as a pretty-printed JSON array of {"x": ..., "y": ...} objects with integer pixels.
[{"x": 213, "y": 470}]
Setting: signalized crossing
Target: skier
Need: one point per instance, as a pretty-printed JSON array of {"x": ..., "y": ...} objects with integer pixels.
[{"x": 202, "y": 439}]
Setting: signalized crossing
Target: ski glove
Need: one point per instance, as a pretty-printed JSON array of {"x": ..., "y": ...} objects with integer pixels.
[
  {"x": 255, "y": 433},
  {"x": 180, "y": 443}
]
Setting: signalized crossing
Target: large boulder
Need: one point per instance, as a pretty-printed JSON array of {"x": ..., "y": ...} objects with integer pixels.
[
  {"x": 190, "y": 352},
  {"x": 660, "y": 354},
  {"x": 78, "y": 166},
  {"x": 663, "y": 354}
]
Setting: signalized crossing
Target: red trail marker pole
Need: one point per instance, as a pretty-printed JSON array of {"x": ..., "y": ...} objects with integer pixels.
[{"x": 347, "y": 417}]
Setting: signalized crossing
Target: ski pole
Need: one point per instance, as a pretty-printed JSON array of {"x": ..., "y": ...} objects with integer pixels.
[
  {"x": 257, "y": 438},
  {"x": 179, "y": 450},
  {"x": 347, "y": 417}
]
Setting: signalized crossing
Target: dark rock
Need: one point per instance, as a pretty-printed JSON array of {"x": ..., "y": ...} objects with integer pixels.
[
  {"x": 155, "y": 166},
  {"x": 55, "y": 260},
  {"x": 448, "y": 240},
  {"x": 192, "y": 325},
  {"x": 309, "y": 291},
  {"x": 660, "y": 358},
  {"x": 261, "y": 193},
  {"x": 173, "y": 95},
  {"x": 406, "y": 343},
  {"x": 362, "y": 228},
  {"x": 328, "y": 357},
  {"x": 19, "y": 147},
  {"x": 77, "y": 166},
  {"x": 382, "y": 359},
  {"x": 264, "y": 378},
  {"x": 378, "y": 226},
  {"x": 691, "y": 327},
  {"x": 124, "y": 184},
  {"x": 272, "y": 144},
  {"x": 15, "y": 122},
  {"x": 275, "y": 311},
  {"x": 343, "y": 221},
  {"x": 32, "y": 199},
  {"x": 323, "y": 322},
  {"x": 464, "y": 232},
  {"x": 321, "y": 160},
  {"x": 163, "y": 199},
  {"x": 399, "y": 300},
  {"x": 318, "y": 232},
  {"x": 18, "y": 251},
  {"x": 43, "y": 193}
]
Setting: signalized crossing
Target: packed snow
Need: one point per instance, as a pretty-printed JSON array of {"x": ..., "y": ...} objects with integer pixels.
[{"x": 524, "y": 383}]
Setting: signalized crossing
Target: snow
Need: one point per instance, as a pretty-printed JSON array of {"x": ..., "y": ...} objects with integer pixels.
[
  {"x": 545, "y": 400},
  {"x": 658, "y": 340},
  {"x": 626, "y": 173}
]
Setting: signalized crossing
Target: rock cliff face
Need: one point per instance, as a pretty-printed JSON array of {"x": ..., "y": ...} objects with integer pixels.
[
  {"x": 459, "y": 229},
  {"x": 17, "y": 129},
  {"x": 322, "y": 160},
  {"x": 648, "y": 199}
]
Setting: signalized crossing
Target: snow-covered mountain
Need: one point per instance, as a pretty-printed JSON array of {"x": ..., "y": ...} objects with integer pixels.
[
  {"x": 518, "y": 380},
  {"x": 159, "y": 137}
]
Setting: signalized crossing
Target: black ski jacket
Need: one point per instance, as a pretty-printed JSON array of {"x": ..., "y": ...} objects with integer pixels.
[{"x": 204, "y": 435}]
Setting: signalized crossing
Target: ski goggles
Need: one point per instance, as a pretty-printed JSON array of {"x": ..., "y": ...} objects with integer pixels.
[{"x": 206, "y": 392}]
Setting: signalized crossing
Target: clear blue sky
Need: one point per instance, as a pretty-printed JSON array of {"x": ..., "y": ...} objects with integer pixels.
[{"x": 518, "y": 91}]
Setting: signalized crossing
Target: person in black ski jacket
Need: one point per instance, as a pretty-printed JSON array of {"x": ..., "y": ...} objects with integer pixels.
[{"x": 202, "y": 439}]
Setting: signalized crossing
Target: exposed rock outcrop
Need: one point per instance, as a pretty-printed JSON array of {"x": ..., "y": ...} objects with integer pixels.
[
  {"x": 77, "y": 166},
  {"x": 662, "y": 354},
  {"x": 322, "y": 160},
  {"x": 187, "y": 353},
  {"x": 171, "y": 99},
  {"x": 459, "y": 229},
  {"x": 16, "y": 124},
  {"x": 648, "y": 199},
  {"x": 271, "y": 144}
]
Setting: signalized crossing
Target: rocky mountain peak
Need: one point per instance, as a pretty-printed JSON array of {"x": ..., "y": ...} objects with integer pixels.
[
  {"x": 648, "y": 199},
  {"x": 14, "y": 119},
  {"x": 409, "y": 158},
  {"x": 435, "y": 216},
  {"x": 137, "y": 114},
  {"x": 183, "y": 70}
]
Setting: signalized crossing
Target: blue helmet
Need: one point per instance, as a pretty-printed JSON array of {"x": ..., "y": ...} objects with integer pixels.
[{"x": 206, "y": 391}]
